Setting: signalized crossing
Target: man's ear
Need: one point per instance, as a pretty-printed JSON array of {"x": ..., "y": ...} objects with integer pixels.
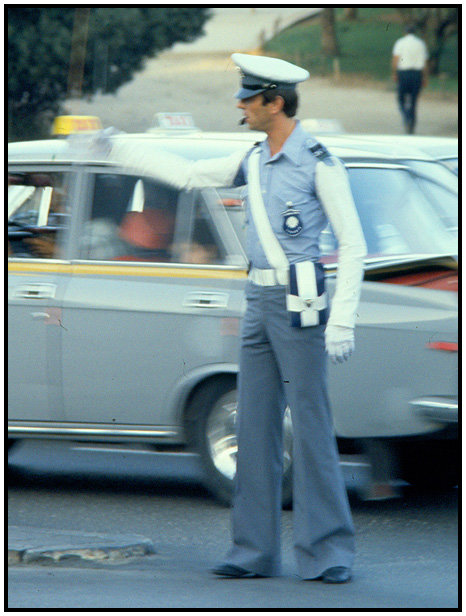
[{"x": 278, "y": 103}]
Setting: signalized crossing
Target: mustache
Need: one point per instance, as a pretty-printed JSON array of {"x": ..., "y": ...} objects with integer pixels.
[{"x": 242, "y": 121}]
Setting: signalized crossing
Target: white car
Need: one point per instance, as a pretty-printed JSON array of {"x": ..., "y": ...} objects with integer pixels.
[{"x": 125, "y": 302}]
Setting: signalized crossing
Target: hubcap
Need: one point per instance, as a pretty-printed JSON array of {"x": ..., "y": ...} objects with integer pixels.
[{"x": 221, "y": 436}]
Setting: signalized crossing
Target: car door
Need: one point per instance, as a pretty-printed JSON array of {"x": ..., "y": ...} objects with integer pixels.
[
  {"x": 146, "y": 303},
  {"x": 403, "y": 220},
  {"x": 38, "y": 234}
]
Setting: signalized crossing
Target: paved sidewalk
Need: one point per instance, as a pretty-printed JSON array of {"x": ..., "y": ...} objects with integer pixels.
[
  {"x": 30, "y": 545},
  {"x": 243, "y": 28}
]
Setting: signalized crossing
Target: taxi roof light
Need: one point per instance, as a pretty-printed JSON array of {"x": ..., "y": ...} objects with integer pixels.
[
  {"x": 322, "y": 125},
  {"x": 173, "y": 122},
  {"x": 72, "y": 124}
]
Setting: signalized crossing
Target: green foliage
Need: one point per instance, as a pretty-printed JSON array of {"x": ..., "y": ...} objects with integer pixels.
[
  {"x": 365, "y": 45},
  {"x": 119, "y": 40}
]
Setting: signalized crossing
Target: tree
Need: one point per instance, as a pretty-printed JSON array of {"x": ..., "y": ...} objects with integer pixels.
[
  {"x": 329, "y": 37},
  {"x": 351, "y": 14},
  {"x": 109, "y": 46}
]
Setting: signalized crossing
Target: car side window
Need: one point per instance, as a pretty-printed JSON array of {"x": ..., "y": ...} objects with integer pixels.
[
  {"x": 138, "y": 219},
  {"x": 131, "y": 219},
  {"x": 37, "y": 214},
  {"x": 202, "y": 244}
]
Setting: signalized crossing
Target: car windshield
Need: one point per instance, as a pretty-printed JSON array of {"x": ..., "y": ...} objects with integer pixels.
[
  {"x": 436, "y": 172},
  {"x": 401, "y": 213}
]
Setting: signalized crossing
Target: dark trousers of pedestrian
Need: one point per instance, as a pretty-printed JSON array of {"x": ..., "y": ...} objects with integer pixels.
[
  {"x": 282, "y": 365},
  {"x": 409, "y": 87}
]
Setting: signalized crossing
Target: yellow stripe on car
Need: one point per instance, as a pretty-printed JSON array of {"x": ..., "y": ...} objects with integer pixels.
[{"x": 124, "y": 270}]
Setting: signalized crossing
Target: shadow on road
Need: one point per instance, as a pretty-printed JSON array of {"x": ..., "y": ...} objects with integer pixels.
[
  {"x": 164, "y": 486},
  {"x": 19, "y": 478}
]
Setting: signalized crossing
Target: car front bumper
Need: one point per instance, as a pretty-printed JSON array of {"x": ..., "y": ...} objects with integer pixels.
[{"x": 442, "y": 409}]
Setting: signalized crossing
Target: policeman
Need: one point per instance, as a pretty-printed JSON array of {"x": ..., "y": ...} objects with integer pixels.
[{"x": 293, "y": 188}]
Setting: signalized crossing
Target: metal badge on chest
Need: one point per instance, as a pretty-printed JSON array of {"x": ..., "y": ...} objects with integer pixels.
[{"x": 292, "y": 223}]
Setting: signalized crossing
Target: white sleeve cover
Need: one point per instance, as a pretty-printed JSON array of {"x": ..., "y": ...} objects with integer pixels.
[
  {"x": 334, "y": 193},
  {"x": 147, "y": 159}
]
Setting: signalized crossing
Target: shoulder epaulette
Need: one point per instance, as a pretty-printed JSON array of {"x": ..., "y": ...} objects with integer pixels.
[{"x": 321, "y": 152}]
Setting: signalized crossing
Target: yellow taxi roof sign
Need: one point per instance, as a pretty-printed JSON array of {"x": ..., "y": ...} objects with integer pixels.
[{"x": 70, "y": 124}]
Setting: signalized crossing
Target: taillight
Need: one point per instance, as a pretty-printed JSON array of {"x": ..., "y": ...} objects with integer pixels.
[{"x": 451, "y": 347}]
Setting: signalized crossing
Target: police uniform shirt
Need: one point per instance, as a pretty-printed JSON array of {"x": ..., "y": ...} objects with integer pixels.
[
  {"x": 294, "y": 178},
  {"x": 287, "y": 183},
  {"x": 411, "y": 52}
]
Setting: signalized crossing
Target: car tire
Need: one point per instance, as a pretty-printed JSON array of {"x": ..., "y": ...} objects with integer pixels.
[
  {"x": 211, "y": 429},
  {"x": 433, "y": 464}
]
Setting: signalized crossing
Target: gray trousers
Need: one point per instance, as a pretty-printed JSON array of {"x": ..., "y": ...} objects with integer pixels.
[{"x": 282, "y": 365}]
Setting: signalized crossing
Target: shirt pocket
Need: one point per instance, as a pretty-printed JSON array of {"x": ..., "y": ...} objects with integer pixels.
[{"x": 291, "y": 217}]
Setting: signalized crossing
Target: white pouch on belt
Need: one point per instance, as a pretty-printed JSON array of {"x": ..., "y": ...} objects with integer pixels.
[{"x": 306, "y": 298}]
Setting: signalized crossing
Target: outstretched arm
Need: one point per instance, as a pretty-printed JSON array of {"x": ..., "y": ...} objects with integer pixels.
[{"x": 147, "y": 159}]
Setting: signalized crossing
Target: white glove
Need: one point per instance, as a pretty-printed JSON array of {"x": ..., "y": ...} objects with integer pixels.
[
  {"x": 98, "y": 143},
  {"x": 339, "y": 342}
]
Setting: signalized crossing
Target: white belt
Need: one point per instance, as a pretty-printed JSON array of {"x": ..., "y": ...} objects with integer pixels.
[{"x": 268, "y": 277}]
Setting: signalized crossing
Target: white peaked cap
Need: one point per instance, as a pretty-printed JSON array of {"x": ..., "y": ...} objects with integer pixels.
[{"x": 261, "y": 73}]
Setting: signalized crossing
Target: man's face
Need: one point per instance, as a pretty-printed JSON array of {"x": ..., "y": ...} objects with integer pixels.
[{"x": 257, "y": 115}]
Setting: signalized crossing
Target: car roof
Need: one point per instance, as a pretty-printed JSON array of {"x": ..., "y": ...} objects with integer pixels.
[
  {"x": 211, "y": 144},
  {"x": 437, "y": 147}
]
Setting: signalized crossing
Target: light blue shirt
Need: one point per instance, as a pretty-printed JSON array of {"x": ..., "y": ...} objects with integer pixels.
[{"x": 287, "y": 181}]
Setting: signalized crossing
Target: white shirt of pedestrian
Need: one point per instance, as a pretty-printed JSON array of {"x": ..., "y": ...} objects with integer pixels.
[{"x": 411, "y": 52}]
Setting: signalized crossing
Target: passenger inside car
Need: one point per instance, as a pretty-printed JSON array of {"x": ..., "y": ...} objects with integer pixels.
[
  {"x": 147, "y": 235},
  {"x": 202, "y": 248},
  {"x": 99, "y": 238},
  {"x": 36, "y": 214},
  {"x": 132, "y": 220}
]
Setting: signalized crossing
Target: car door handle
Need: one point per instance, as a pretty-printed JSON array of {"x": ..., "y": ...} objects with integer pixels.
[
  {"x": 206, "y": 299},
  {"x": 36, "y": 291},
  {"x": 40, "y": 315}
]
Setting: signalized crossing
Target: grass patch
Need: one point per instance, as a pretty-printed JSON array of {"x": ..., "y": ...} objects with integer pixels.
[{"x": 365, "y": 48}]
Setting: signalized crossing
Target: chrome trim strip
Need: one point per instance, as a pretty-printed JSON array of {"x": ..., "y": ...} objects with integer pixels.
[
  {"x": 368, "y": 163},
  {"x": 160, "y": 265},
  {"x": 444, "y": 410},
  {"x": 32, "y": 260},
  {"x": 164, "y": 432}
]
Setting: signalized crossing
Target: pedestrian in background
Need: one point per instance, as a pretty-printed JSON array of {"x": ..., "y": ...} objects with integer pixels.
[
  {"x": 293, "y": 187},
  {"x": 410, "y": 72}
]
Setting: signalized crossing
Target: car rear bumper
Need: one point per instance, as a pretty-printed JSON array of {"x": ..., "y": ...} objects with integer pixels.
[{"x": 443, "y": 409}]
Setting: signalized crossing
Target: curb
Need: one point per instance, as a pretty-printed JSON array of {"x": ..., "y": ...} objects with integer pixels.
[{"x": 29, "y": 545}]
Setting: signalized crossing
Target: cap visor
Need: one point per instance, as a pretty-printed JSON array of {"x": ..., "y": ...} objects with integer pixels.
[{"x": 245, "y": 93}]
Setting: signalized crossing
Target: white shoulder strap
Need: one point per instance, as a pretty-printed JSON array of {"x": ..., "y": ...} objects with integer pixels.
[{"x": 271, "y": 246}]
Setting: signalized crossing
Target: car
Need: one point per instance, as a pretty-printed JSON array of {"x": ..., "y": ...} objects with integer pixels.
[
  {"x": 126, "y": 298},
  {"x": 441, "y": 149}
]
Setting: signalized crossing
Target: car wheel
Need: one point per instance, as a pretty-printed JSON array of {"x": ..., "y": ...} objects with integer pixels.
[
  {"x": 211, "y": 425},
  {"x": 433, "y": 464}
]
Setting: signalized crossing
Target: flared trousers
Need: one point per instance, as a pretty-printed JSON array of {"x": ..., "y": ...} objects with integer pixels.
[{"x": 281, "y": 365}]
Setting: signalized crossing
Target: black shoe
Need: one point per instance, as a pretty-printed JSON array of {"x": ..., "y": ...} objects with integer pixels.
[
  {"x": 336, "y": 575},
  {"x": 232, "y": 571}
]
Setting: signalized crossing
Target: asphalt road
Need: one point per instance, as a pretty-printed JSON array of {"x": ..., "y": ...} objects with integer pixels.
[{"x": 407, "y": 548}]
